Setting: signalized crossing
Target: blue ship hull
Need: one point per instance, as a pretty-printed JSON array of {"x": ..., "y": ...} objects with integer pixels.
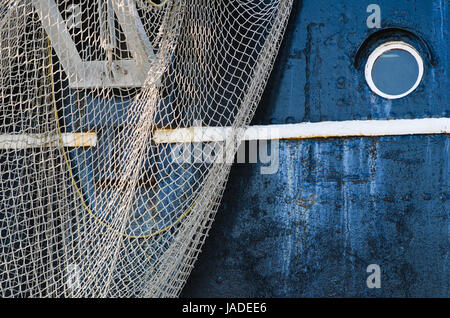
[
  {"x": 338, "y": 205},
  {"x": 335, "y": 205}
]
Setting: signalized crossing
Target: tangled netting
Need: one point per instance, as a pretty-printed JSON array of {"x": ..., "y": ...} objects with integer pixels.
[{"x": 92, "y": 203}]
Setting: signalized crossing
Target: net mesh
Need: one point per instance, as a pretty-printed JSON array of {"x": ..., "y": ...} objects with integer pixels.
[{"x": 92, "y": 204}]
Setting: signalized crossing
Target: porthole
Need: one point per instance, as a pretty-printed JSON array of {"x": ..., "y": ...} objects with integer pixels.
[{"x": 394, "y": 69}]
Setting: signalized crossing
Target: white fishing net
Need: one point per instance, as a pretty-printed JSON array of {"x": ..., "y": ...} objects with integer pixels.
[{"x": 92, "y": 203}]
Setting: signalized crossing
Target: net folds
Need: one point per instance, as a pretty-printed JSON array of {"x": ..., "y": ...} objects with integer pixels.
[{"x": 91, "y": 203}]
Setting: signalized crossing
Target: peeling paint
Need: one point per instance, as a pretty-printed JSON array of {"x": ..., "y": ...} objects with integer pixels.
[{"x": 339, "y": 204}]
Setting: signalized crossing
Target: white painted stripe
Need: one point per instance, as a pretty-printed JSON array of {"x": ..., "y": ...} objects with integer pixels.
[
  {"x": 325, "y": 129},
  {"x": 27, "y": 141}
]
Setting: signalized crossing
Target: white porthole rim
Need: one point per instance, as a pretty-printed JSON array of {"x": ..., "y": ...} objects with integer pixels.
[{"x": 383, "y": 48}]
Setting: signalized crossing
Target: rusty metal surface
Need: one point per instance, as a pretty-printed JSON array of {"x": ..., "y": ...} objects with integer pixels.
[{"x": 337, "y": 205}]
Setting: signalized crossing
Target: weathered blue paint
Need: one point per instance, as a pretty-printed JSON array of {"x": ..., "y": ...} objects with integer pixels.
[
  {"x": 335, "y": 207},
  {"x": 338, "y": 205}
]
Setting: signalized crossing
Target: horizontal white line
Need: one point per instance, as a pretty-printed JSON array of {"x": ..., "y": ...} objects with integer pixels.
[
  {"x": 27, "y": 141},
  {"x": 328, "y": 129},
  {"x": 325, "y": 129}
]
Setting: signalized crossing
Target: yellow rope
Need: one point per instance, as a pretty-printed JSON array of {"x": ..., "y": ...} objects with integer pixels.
[
  {"x": 158, "y": 5},
  {"x": 69, "y": 168}
]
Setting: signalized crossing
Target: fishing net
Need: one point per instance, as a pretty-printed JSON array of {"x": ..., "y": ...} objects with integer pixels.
[{"x": 96, "y": 200}]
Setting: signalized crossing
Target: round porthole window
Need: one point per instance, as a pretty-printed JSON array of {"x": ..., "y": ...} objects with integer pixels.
[{"x": 394, "y": 69}]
